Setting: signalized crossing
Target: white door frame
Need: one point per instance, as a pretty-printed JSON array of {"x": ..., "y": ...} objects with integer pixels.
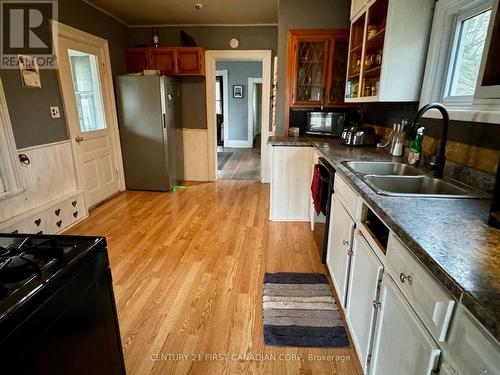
[
  {"x": 225, "y": 99},
  {"x": 251, "y": 83},
  {"x": 237, "y": 55},
  {"x": 60, "y": 30}
]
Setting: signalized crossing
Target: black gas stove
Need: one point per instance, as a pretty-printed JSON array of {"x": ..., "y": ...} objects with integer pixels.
[{"x": 57, "y": 308}]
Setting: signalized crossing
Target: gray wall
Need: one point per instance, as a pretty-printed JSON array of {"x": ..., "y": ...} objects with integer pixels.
[
  {"x": 236, "y": 111},
  {"x": 209, "y": 37},
  {"x": 29, "y": 107},
  {"x": 300, "y": 14}
]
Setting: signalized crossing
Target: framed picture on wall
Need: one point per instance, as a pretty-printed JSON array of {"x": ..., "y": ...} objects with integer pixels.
[{"x": 238, "y": 91}]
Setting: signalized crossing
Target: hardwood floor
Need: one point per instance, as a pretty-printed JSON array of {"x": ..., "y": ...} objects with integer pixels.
[
  {"x": 187, "y": 273},
  {"x": 244, "y": 164}
]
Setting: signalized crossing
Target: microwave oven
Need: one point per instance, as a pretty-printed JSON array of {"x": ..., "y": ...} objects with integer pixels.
[{"x": 325, "y": 123}]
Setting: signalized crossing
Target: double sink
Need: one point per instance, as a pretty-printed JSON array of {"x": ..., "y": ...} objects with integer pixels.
[{"x": 403, "y": 180}]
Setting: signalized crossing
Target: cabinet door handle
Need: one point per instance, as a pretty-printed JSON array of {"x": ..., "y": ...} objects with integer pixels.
[
  {"x": 349, "y": 252},
  {"x": 75, "y": 214},
  {"x": 73, "y": 203},
  {"x": 376, "y": 305},
  {"x": 38, "y": 222},
  {"x": 57, "y": 212},
  {"x": 345, "y": 243},
  {"x": 403, "y": 278},
  {"x": 59, "y": 223}
]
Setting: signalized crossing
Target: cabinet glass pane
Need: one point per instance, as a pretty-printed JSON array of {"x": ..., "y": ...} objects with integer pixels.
[
  {"x": 85, "y": 76},
  {"x": 310, "y": 71},
  {"x": 337, "y": 84}
]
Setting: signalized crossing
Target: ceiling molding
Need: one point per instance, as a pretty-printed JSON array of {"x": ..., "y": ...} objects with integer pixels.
[
  {"x": 106, "y": 12},
  {"x": 205, "y": 25}
]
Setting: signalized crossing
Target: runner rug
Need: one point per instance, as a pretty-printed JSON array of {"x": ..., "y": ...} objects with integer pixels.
[{"x": 300, "y": 311}]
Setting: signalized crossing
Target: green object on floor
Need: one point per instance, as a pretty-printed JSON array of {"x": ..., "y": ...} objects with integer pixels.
[{"x": 178, "y": 187}]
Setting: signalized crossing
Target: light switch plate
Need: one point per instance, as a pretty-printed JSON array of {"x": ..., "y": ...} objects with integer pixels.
[{"x": 54, "y": 112}]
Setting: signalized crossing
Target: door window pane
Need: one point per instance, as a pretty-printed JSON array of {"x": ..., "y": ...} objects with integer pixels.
[
  {"x": 84, "y": 72},
  {"x": 467, "y": 53}
]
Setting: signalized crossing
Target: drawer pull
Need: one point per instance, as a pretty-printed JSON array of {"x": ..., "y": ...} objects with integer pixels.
[
  {"x": 57, "y": 212},
  {"x": 73, "y": 203},
  {"x": 376, "y": 305},
  {"x": 38, "y": 222},
  {"x": 403, "y": 278},
  {"x": 75, "y": 214},
  {"x": 59, "y": 223}
]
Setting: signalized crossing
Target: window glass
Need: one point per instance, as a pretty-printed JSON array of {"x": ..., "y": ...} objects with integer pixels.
[
  {"x": 84, "y": 73},
  {"x": 467, "y": 53}
]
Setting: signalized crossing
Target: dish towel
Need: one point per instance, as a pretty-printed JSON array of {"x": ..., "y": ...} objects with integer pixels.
[{"x": 316, "y": 189}]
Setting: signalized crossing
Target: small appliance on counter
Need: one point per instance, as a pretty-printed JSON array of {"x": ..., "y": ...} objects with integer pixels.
[
  {"x": 358, "y": 135},
  {"x": 325, "y": 123}
]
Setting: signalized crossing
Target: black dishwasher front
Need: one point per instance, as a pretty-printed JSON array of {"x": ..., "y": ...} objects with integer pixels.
[{"x": 321, "y": 221}]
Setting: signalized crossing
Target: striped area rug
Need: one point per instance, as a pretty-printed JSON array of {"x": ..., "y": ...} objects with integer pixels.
[{"x": 300, "y": 311}]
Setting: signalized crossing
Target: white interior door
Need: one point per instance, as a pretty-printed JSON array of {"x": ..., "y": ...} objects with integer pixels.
[{"x": 91, "y": 116}]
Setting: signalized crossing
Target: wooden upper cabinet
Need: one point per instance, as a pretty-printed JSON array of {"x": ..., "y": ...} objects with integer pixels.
[
  {"x": 162, "y": 59},
  {"x": 136, "y": 59},
  {"x": 173, "y": 61},
  {"x": 317, "y": 61},
  {"x": 190, "y": 61}
]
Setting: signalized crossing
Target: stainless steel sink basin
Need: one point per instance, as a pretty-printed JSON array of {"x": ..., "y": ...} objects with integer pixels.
[
  {"x": 383, "y": 168},
  {"x": 421, "y": 186}
]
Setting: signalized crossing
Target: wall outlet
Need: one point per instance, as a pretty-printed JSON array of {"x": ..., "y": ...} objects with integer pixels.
[{"x": 54, "y": 112}]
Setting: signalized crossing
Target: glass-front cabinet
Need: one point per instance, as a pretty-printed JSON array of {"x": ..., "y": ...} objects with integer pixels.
[{"x": 317, "y": 61}]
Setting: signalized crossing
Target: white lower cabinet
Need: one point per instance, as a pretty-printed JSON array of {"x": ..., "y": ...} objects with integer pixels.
[
  {"x": 364, "y": 281},
  {"x": 472, "y": 348},
  {"x": 338, "y": 256},
  {"x": 290, "y": 191},
  {"x": 402, "y": 344}
]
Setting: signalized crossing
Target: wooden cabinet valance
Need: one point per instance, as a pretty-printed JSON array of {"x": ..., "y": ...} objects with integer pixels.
[{"x": 173, "y": 61}]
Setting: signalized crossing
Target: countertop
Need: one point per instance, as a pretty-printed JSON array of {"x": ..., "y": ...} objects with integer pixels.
[{"x": 449, "y": 236}]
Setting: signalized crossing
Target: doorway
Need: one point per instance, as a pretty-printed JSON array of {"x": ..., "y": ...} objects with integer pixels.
[
  {"x": 89, "y": 103},
  {"x": 237, "y": 120},
  {"x": 238, "y": 104}
]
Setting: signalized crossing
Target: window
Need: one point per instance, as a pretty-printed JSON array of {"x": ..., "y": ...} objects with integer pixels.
[
  {"x": 465, "y": 60},
  {"x": 461, "y": 39},
  {"x": 218, "y": 95},
  {"x": 84, "y": 72}
]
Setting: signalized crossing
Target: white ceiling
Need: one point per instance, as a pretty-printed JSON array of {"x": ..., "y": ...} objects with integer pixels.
[{"x": 183, "y": 12}]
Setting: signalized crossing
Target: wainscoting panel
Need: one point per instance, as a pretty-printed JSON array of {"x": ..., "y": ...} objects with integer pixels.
[
  {"x": 49, "y": 177},
  {"x": 195, "y": 154}
]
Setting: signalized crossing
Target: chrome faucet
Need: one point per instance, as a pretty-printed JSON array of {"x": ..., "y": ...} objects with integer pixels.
[{"x": 438, "y": 165}]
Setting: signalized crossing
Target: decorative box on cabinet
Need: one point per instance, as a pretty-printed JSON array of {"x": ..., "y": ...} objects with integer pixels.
[
  {"x": 175, "y": 61},
  {"x": 387, "y": 49}
]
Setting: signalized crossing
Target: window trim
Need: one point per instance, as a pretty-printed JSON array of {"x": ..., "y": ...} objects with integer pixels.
[
  {"x": 453, "y": 55},
  {"x": 9, "y": 164},
  {"x": 437, "y": 65}
]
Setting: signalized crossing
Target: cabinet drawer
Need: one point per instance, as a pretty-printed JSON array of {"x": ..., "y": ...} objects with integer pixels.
[
  {"x": 473, "y": 349},
  {"x": 432, "y": 303},
  {"x": 346, "y": 195}
]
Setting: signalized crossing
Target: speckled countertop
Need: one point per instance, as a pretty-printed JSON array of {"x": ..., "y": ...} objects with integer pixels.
[{"x": 449, "y": 236}]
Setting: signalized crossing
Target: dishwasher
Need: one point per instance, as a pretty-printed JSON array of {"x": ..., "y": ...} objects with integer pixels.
[{"x": 321, "y": 221}]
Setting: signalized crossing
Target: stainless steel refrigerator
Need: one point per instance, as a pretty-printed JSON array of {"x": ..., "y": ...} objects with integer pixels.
[{"x": 149, "y": 117}]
